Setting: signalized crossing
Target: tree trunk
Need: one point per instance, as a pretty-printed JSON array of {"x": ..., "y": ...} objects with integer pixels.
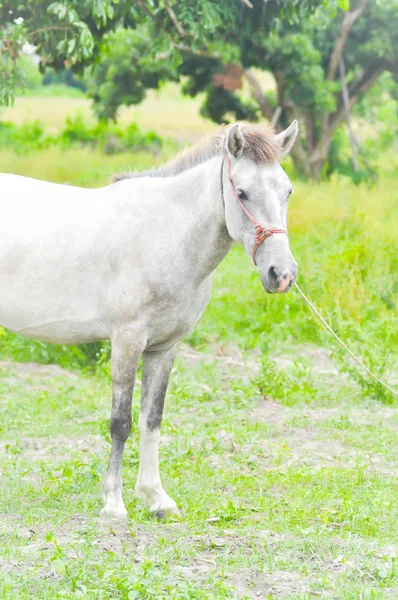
[
  {"x": 310, "y": 158},
  {"x": 346, "y": 102},
  {"x": 319, "y": 154}
]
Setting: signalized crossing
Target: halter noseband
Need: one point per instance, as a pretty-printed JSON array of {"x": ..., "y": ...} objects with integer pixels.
[{"x": 261, "y": 232}]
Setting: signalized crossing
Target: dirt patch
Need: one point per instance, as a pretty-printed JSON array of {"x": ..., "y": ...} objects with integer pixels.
[
  {"x": 26, "y": 370},
  {"x": 279, "y": 584},
  {"x": 319, "y": 358},
  {"x": 110, "y": 535},
  {"x": 58, "y": 448},
  {"x": 226, "y": 354},
  {"x": 307, "y": 441},
  {"x": 270, "y": 412}
]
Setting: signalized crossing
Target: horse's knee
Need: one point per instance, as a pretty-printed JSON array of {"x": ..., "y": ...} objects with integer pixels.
[
  {"x": 120, "y": 426},
  {"x": 154, "y": 419}
]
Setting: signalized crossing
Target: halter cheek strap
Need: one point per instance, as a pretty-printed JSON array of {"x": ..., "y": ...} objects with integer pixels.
[{"x": 261, "y": 232}]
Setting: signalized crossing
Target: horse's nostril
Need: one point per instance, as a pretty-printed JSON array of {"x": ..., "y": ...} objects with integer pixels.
[{"x": 272, "y": 275}]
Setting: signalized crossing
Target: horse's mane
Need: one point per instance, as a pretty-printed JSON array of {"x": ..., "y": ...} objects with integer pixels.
[{"x": 260, "y": 146}]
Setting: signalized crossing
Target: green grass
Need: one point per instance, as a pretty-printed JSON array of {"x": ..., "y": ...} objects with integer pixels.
[
  {"x": 167, "y": 112},
  {"x": 78, "y": 166},
  {"x": 49, "y": 91},
  {"x": 293, "y": 461},
  {"x": 301, "y": 500}
]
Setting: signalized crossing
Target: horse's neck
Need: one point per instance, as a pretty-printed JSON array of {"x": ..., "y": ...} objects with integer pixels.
[{"x": 206, "y": 238}]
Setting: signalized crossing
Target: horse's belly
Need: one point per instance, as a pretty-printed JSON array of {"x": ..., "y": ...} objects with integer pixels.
[
  {"x": 47, "y": 305},
  {"x": 51, "y": 289},
  {"x": 65, "y": 332},
  {"x": 58, "y": 329}
]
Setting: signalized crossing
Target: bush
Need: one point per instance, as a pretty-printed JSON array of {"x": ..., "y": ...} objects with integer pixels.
[
  {"x": 109, "y": 138},
  {"x": 23, "y": 349},
  {"x": 65, "y": 77},
  {"x": 24, "y": 138}
]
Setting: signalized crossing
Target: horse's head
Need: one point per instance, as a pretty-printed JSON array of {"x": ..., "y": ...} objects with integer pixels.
[{"x": 256, "y": 191}]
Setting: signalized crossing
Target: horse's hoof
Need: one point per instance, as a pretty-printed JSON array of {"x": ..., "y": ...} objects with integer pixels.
[
  {"x": 165, "y": 512},
  {"x": 113, "y": 513},
  {"x": 161, "y": 515}
]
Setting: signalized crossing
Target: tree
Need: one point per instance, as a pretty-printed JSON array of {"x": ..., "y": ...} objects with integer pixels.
[
  {"x": 71, "y": 31},
  {"x": 313, "y": 62},
  {"x": 126, "y": 70},
  {"x": 323, "y": 65}
]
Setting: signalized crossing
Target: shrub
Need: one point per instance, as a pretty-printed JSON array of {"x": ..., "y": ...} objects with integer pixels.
[
  {"x": 24, "y": 138},
  {"x": 110, "y": 138}
]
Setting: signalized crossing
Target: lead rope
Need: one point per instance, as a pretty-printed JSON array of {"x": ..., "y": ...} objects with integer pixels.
[
  {"x": 261, "y": 235},
  {"x": 358, "y": 360}
]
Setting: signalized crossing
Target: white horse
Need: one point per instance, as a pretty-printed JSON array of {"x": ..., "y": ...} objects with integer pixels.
[{"x": 132, "y": 263}]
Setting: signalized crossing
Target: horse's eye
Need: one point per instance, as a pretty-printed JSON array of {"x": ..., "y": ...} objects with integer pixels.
[
  {"x": 241, "y": 194},
  {"x": 289, "y": 194}
]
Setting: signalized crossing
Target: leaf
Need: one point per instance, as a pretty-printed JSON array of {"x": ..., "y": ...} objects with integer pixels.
[
  {"x": 71, "y": 46},
  {"x": 59, "y": 566},
  {"x": 344, "y": 4}
]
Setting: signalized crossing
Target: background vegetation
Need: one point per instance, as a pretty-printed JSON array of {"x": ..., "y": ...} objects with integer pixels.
[{"x": 281, "y": 454}]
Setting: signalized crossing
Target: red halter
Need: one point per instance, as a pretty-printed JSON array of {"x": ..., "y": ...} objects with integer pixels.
[{"x": 261, "y": 232}]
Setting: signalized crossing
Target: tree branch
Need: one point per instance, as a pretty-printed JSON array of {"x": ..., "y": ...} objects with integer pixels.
[
  {"x": 369, "y": 77},
  {"x": 50, "y": 28},
  {"x": 349, "y": 19},
  {"x": 173, "y": 17},
  {"x": 346, "y": 103},
  {"x": 298, "y": 153},
  {"x": 276, "y": 116},
  {"x": 144, "y": 8},
  {"x": 205, "y": 53},
  {"x": 265, "y": 107}
]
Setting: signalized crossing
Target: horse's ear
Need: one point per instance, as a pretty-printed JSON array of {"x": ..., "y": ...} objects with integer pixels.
[
  {"x": 235, "y": 141},
  {"x": 287, "y": 138}
]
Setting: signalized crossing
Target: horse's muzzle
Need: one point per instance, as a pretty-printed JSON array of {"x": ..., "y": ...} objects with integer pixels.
[{"x": 279, "y": 280}]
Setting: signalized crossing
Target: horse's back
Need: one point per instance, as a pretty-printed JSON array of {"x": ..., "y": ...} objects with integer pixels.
[
  {"x": 30, "y": 204},
  {"x": 50, "y": 257}
]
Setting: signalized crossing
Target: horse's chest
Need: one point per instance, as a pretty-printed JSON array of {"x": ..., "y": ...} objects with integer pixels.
[{"x": 173, "y": 316}]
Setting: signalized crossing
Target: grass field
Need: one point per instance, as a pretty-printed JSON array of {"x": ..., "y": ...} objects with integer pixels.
[
  {"x": 167, "y": 112},
  {"x": 281, "y": 457}
]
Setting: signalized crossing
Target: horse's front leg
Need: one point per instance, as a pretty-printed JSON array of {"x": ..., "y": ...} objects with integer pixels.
[
  {"x": 126, "y": 351},
  {"x": 155, "y": 376}
]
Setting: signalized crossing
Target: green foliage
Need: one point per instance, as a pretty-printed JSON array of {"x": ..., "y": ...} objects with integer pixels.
[
  {"x": 12, "y": 74},
  {"x": 26, "y": 350},
  {"x": 65, "y": 77},
  {"x": 294, "y": 42},
  {"x": 126, "y": 69},
  {"x": 32, "y": 76},
  {"x": 24, "y": 138},
  {"x": 111, "y": 139},
  {"x": 128, "y": 48},
  {"x": 379, "y": 110},
  {"x": 72, "y": 30},
  {"x": 219, "y": 104},
  {"x": 305, "y": 83}
]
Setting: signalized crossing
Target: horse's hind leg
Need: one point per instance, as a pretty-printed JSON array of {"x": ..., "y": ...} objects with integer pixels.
[
  {"x": 126, "y": 351},
  {"x": 155, "y": 377}
]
